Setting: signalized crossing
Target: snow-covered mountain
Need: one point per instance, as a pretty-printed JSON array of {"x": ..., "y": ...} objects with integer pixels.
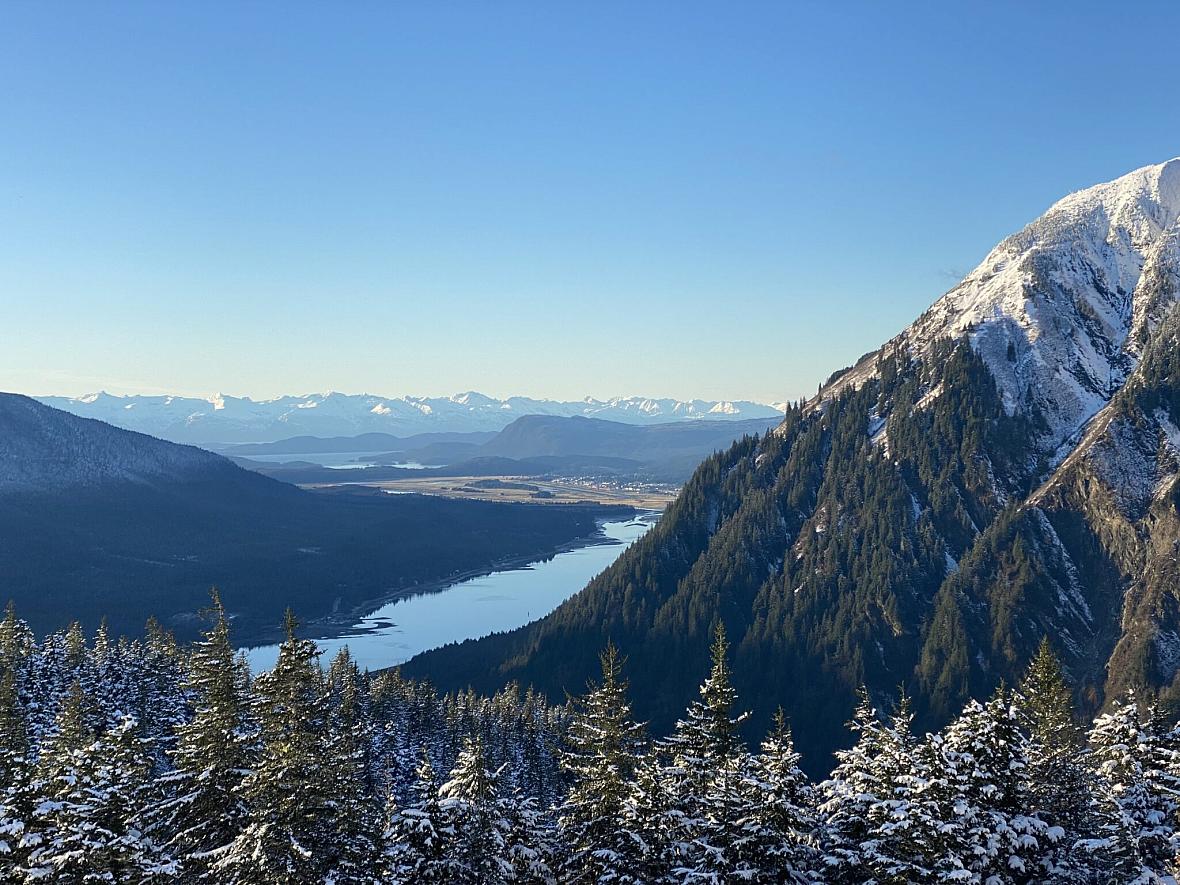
[
  {"x": 45, "y": 449},
  {"x": 226, "y": 419},
  {"x": 1004, "y": 470},
  {"x": 1060, "y": 311}
]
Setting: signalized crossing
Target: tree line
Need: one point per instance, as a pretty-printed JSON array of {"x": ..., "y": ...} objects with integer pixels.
[{"x": 143, "y": 761}]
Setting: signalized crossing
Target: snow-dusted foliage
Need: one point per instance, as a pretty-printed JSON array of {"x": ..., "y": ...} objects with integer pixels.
[
  {"x": 144, "y": 762},
  {"x": 46, "y": 449}
]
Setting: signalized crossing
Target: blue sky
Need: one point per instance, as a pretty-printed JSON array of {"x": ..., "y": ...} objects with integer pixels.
[{"x": 553, "y": 199}]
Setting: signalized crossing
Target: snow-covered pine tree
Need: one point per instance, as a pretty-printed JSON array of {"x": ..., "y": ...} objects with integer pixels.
[
  {"x": 357, "y": 844},
  {"x": 705, "y": 765},
  {"x": 85, "y": 827},
  {"x": 857, "y": 800},
  {"x": 290, "y": 826},
  {"x": 1059, "y": 781},
  {"x": 600, "y": 756},
  {"x": 161, "y": 688},
  {"x": 204, "y": 810},
  {"x": 16, "y": 799},
  {"x": 1135, "y": 808},
  {"x": 987, "y": 832},
  {"x": 649, "y": 817},
  {"x": 474, "y": 824},
  {"x": 777, "y": 842},
  {"x": 16, "y": 639},
  {"x": 530, "y": 846},
  {"x": 415, "y": 835}
]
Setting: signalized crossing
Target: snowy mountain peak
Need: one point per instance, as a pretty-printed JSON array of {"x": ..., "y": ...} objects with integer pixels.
[
  {"x": 1060, "y": 310},
  {"x": 226, "y": 419}
]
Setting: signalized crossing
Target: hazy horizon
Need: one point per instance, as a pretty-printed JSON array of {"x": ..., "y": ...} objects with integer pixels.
[{"x": 385, "y": 395}]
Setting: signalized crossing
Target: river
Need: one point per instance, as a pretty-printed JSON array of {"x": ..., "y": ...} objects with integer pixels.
[{"x": 472, "y": 608}]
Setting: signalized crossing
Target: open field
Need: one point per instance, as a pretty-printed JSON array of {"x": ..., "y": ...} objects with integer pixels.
[{"x": 527, "y": 489}]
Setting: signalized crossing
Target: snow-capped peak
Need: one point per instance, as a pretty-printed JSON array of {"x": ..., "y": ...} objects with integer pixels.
[
  {"x": 1059, "y": 310},
  {"x": 226, "y": 419}
]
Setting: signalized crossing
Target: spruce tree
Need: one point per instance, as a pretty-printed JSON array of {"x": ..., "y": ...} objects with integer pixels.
[
  {"x": 777, "y": 841},
  {"x": 474, "y": 825},
  {"x": 703, "y": 775},
  {"x": 1060, "y": 784},
  {"x": 205, "y": 809},
  {"x": 851, "y": 800},
  {"x": 16, "y": 797},
  {"x": 86, "y": 826},
  {"x": 650, "y": 819},
  {"x": 415, "y": 839},
  {"x": 1135, "y": 802},
  {"x": 357, "y": 844},
  {"x": 529, "y": 845},
  {"x": 987, "y": 829},
  {"x": 600, "y": 757},
  {"x": 290, "y": 825}
]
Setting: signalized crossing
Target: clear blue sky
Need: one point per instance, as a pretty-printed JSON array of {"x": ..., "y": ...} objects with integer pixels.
[{"x": 556, "y": 199}]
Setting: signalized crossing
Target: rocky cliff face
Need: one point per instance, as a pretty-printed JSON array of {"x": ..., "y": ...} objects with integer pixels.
[{"x": 1061, "y": 311}]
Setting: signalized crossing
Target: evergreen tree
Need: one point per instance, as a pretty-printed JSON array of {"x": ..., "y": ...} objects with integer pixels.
[
  {"x": 205, "y": 810},
  {"x": 87, "y": 821},
  {"x": 16, "y": 799},
  {"x": 600, "y": 757},
  {"x": 290, "y": 826},
  {"x": 475, "y": 828},
  {"x": 416, "y": 837},
  {"x": 857, "y": 795},
  {"x": 880, "y": 815},
  {"x": 987, "y": 830},
  {"x": 1059, "y": 782},
  {"x": 650, "y": 819},
  {"x": 704, "y": 773},
  {"x": 777, "y": 842},
  {"x": 529, "y": 846},
  {"x": 357, "y": 842},
  {"x": 1135, "y": 802}
]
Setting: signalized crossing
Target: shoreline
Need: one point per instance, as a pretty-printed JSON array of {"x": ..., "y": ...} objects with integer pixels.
[{"x": 349, "y": 624}]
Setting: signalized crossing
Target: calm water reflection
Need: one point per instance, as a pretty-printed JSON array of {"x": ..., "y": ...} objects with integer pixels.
[
  {"x": 339, "y": 460},
  {"x": 500, "y": 601}
]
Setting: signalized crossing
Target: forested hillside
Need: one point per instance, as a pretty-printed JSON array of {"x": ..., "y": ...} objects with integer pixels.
[
  {"x": 130, "y": 762},
  {"x": 1004, "y": 469},
  {"x": 820, "y": 549}
]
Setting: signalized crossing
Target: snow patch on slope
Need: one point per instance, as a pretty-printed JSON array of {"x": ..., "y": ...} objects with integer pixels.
[{"x": 1051, "y": 310}]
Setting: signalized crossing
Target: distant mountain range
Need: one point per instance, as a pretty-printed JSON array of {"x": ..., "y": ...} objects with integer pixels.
[
  {"x": 97, "y": 521},
  {"x": 227, "y": 419},
  {"x": 534, "y": 445},
  {"x": 1006, "y": 468}
]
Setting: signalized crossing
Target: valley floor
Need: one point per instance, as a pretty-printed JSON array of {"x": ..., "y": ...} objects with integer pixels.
[{"x": 532, "y": 490}]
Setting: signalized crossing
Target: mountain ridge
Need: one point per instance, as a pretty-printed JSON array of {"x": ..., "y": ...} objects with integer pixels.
[
  {"x": 1060, "y": 309},
  {"x": 1006, "y": 468},
  {"x": 224, "y": 419}
]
